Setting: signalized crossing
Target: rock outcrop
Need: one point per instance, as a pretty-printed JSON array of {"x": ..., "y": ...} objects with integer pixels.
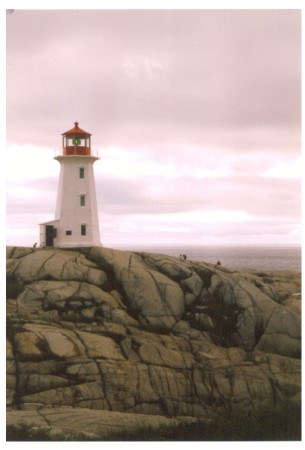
[{"x": 145, "y": 334}]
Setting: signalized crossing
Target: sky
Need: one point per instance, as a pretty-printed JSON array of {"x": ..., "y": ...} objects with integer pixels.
[{"x": 195, "y": 114}]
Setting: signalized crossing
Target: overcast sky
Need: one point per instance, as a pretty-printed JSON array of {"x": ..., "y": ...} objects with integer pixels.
[{"x": 195, "y": 114}]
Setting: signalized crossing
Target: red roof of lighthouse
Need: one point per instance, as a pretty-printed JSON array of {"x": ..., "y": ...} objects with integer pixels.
[{"x": 76, "y": 130}]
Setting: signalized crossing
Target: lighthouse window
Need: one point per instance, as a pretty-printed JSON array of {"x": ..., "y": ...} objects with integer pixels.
[
  {"x": 83, "y": 230},
  {"x": 81, "y": 172},
  {"x": 68, "y": 232},
  {"x": 82, "y": 200}
]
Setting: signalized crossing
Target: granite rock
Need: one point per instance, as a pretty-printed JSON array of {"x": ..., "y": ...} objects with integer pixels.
[{"x": 108, "y": 334}]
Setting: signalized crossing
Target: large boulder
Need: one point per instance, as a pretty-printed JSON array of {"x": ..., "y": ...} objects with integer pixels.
[
  {"x": 82, "y": 423},
  {"x": 253, "y": 318},
  {"x": 156, "y": 300},
  {"x": 51, "y": 264}
]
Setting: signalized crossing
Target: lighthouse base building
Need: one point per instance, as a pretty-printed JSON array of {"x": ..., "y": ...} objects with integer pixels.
[{"x": 76, "y": 217}]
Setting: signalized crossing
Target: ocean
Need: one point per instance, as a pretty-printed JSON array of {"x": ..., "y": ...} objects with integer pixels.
[{"x": 252, "y": 257}]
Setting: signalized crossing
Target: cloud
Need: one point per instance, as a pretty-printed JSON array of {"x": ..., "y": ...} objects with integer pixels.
[
  {"x": 222, "y": 228},
  {"x": 255, "y": 196},
  {"x": 215, "y": 70}
]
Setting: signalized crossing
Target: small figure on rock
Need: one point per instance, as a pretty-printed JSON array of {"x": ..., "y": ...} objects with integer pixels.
[{"x": 218, "y": 263}]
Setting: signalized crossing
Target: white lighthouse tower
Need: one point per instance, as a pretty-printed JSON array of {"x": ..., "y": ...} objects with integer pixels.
[{"x": 76, "y": 218}]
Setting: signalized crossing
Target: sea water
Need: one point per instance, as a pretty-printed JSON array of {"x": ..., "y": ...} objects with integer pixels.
[{"x": 250, "y": 257}]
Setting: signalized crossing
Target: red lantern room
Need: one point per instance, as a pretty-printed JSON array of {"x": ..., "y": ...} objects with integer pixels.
[{"x": 76, "y": 142}]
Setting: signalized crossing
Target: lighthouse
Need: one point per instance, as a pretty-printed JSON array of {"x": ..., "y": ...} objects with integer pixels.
[{"x": 76, "y": 218}]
